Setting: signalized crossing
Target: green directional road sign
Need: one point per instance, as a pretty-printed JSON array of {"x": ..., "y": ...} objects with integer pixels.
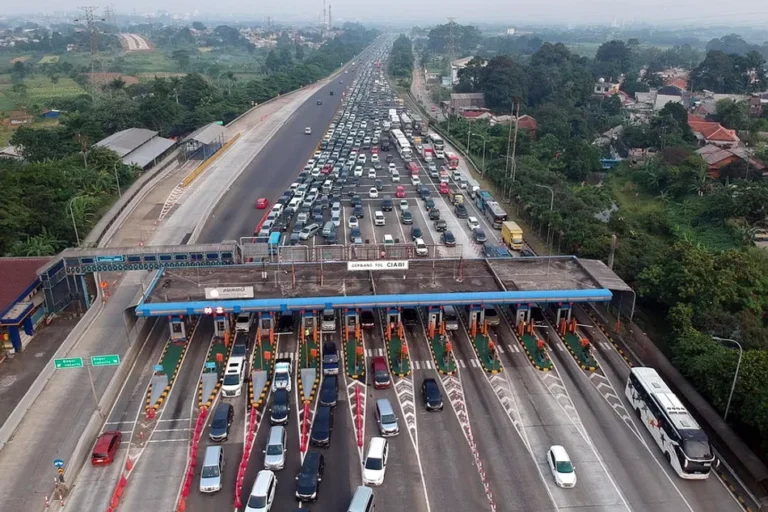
[
  {"x": 106, "y": 360},
  {"x": 68, "y": 362}
]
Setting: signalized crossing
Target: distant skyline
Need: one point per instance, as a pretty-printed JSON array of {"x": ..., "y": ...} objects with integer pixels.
[{"x": 429, "y": 12}]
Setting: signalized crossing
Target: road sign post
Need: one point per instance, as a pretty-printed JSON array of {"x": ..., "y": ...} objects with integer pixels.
[{"x": 58, "y": 463}]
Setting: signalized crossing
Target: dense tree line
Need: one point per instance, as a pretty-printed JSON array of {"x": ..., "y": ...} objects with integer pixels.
[
  {"x": 401, "y": 58},
  {"x": 684, "y": 241},
  {"x": 65, "y": 175},
  {"x": 463, "y": 38}
]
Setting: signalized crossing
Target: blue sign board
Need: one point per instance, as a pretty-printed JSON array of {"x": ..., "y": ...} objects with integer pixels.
[
  {"x": 109, "y": 259},
  {"x": 158, "y": 368},
  {"x": 210, "y": 364},
  {"x": 58, "y": 463}
]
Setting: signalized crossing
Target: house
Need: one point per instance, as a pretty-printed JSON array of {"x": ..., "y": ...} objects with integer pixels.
[
  {"x": 758, "y": 103},
  {"x": 461, "y": 101},
  {"x": 602, "y": 87},
  {"x": 708, "y": 132},
  {"x": 10, "y": 153},
  {"x": 458, "y": 65},
  {"x": 623, "y": 97},
  {"x": 718, "y": 157},
  {"x": 51, "y": 114},
  {"x": 22, "y": 306}
]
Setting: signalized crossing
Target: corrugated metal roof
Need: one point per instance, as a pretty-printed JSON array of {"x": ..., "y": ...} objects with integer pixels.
[
  {"x": 148, "y": 152},
  {"x": 206, "y": 134},
  {"x": 16, "y": 275},
  {"x": 604, "y": 276},
  {"x": 126, "y": 141}
]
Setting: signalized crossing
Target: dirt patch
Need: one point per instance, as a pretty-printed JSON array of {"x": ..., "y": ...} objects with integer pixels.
[
  {"x": 19, "y": 59},
  {"x": 105, "y": 78}
]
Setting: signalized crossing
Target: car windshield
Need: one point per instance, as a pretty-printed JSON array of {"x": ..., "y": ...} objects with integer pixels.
[
  {"x": 371, "y": 463},
  {"x": 281, "y": 377},
  {"x": 232, "y": 379},
  {"x": 564, "y": 466},
  {"x": 210, "y": 471},
  {"x": 274, "y": 449},
  {"x": 388, "y": 418},
  {"x": 257, "y": 502},
  {"x": 219, "y": 423},
  {"x": 695, "y": 449},
  {"x": 382, "y": 375}
]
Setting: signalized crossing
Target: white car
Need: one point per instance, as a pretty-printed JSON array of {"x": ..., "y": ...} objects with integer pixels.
[
  {"x": 392, "y": 166},
  {"x": 374, "y": 158},
  {"x": 361, "y": 158},
  {"x": 315, "y": 172},
  {"x": 421, "y": 247},
  {"x": 353, "y": 222},
  {"x": 379, "y": 219},
  {"x": 372, "y": 173},
  {"x": 415, "y": 180},
  {"x": 395, "y": 177},
  {"x": 308, "y": 130},
  {"x": 561, "y": 466},
  {"x": 404, "y": 205},
  {"x": 473, "y": 223},
  {"x": 358, "y": 171},
  {"x": 375, "y": 465},
  {"x": 373, "y": 193}
]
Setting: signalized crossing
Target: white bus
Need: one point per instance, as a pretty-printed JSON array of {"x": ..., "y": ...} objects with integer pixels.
[
  {"x": 680, "y": 438},
  {"x": 437, "y": 142},
  {"x": 402, "y": 144},
  {"x": 394, "y": 121}
]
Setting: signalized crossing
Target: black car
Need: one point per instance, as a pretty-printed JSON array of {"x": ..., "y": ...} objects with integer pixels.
[
  {"x": 448, "y": 239},
  {"x": 329, "y": 391},
  {"x": 281, "y": 404},
  {"x": 479, "y": 235},
  {"x": 410, "y": 316},
  {"x": 322, "y": 427},
  {"x": 378, "y": 184},
  {"x": 309, "y": 478},
  {"x": 320, "y": 102},
  {"x": 356, "y": 200},
  {"x": 461, "y": 211},
  {"x": 354, "y": 233},
  {"x": 441, "y": 225},
  {"x": 407, "y": 217},
  {"x": 386, "y": 204},
  {"x": 430, "y": 393},
  {"x": 424, "y": 192},
  {"x": 294, "y": 240},
  {"x": 222, "y": 420},
  {"x": 285, "y": 322},
  {"x": 367, "y": 319},
  {"x": 358, "y": 211},
  {"x": 434, "y": 214},
  {"x": 332, "y": 239},
  {"x": 240, "y": 348},
  {"x": 416, "y": 232},
  {"x": 429, "y": 204},
  {"x": 297, "y": 228},
  {"x": 527, "y": 253}
]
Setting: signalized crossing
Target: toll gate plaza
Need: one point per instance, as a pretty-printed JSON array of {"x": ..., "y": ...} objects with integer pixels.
[{"x": 378, "y": 283}]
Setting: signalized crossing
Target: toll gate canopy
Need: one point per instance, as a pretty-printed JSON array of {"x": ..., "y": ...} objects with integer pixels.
[{"x": 269, "y": 286}]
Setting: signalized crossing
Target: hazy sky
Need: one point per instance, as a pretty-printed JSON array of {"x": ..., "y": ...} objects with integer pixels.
[{"x": 703, "y": 12}]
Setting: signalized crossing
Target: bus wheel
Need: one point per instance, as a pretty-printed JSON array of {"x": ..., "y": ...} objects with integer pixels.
[
  {"x": 666, "y": 456},
  {"x": 639, "y": 416}
]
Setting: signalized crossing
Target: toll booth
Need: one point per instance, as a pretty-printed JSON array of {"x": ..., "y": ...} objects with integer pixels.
[
  {"x": 221, "y": 326},
  {"x": 351, "y": 321},
  {"x": 476, "y": 314},
  {"x": 393, "y": 322},
  {"x": 309, "y": 324},
  {"x": 522, "y": 318},
  {"x": 178, "y": 328},
  {"x": 563, "y": 316},
  {"x": 266, "y": 325},
  {"x": 435, "y": 321}
]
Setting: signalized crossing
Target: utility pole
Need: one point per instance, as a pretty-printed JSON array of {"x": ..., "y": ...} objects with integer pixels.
[
  {"x": 330, "y": 20},
  {"x": 93, "y": 36}
]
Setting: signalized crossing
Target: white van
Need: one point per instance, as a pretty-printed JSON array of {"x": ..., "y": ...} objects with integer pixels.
[
  {"x": 362, "y": 501},
  {"x": 263, "y": 492},
  {"x": 213, "y": 465},
  {"x": 379, "y": 219},
  {"x": 375, "y": 465},
  {"x": 329, "y": 320},
  {"x": 243, "y": 322},
  {"x": 234, "y": 376}
]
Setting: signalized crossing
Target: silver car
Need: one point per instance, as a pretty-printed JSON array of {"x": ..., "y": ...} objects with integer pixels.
[{"x": 274, "y": 455}]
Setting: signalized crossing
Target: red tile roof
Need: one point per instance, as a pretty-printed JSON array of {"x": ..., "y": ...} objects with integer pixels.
[
  {"x": 710, "y": 130},
  {"x": 680, "y": 83},
  {"x": 527, "y": 122},
  {"x": 16, "y": 275}
]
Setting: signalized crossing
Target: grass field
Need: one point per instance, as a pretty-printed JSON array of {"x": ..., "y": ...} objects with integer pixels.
[
  {"x": 49, "y": 59},
  {"x": 39, "y": 90}
]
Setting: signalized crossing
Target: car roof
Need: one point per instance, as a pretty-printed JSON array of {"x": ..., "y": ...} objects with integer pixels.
[{"x": 559, "y": 452}]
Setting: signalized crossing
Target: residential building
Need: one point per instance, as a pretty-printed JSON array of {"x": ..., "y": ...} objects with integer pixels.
[
  {"x": 708, "y": 132},
  {"x": 758, "y": 103},
  {"x": 718, "y": 157},
  {"x": 602, "y": 87},
  {"x": 458, "y": 65},
  {"x": 467, "y": 100},
  {"x": 22, "y": 307}
]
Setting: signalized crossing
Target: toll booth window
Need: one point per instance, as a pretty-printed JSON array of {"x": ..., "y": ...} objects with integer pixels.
[
  {"x": 165, "y": 257},
  {"x": 134, "y": 259},
  {"x": 196, "y": 256},
  {"x": 212, "y": 256},
  {"x": 226, "y": 255},
  {"x": 87, "y": 261},
  {"x": 150, "y": 258},
  {"x": 176, "y": 327},
  {"x": 180, "y": 257}
]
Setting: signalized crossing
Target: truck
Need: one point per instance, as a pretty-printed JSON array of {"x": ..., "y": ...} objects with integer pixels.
[
  {"x": 428, "y": 153},
  {"x": 482, "y": 198},
  {"x": 495, "y": 251},
  {"x": 282, "y": 379},
  {"x": 455, "y": 195},
  {"x": 512, "y": 235},
  {"x": 473, "y": 187}
]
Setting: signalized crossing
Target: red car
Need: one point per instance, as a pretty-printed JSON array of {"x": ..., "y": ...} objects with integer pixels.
[
  {"x": 380, "y": 373},
  {"x": 375, "y": 149},
  {"x": 400, "y": 191},
  {"x": 443, "y": 188},
  {"x": 105, "y": 448},
  {"x": 262, "y": 203}
]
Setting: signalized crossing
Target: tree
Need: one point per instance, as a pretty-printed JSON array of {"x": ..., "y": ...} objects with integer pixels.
[
  {"x": 502, "y": 80},
  {"x": 401, "y": 58},
  {"x": 272, "y": 64},
  {"x": 197, "y": 25},
  {"x": 733, "y": 114},
  {"x": 182, "y": 58},
  {"x": 299, "y": 52},
  {"x": 613, "y": 58}
]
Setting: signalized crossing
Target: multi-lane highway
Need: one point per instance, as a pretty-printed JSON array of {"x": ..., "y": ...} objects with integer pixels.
[{"x": 486, "y": 450}]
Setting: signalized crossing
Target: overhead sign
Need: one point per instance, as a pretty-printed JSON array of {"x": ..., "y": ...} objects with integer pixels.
[
  {"x": 109, "y": 259},
  {"x": 377, "y": 265},
  {"x": 229, "y": 292},
  {"x": 105, "y": 360},
  {"x": 68, "y": 362}
]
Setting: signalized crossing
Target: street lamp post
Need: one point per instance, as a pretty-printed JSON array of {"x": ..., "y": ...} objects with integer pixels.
[
  {"x": 74, "y": 223},
  {"x": 114, "y": 168},
  {"x": 735, "y": 375}
]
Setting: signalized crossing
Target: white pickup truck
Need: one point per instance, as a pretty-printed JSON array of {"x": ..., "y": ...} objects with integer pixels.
[{"x": 282, "y": 378}]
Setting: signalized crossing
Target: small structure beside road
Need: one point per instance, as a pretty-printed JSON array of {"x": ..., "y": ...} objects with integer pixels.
[{"x": 22, "y": 307}]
